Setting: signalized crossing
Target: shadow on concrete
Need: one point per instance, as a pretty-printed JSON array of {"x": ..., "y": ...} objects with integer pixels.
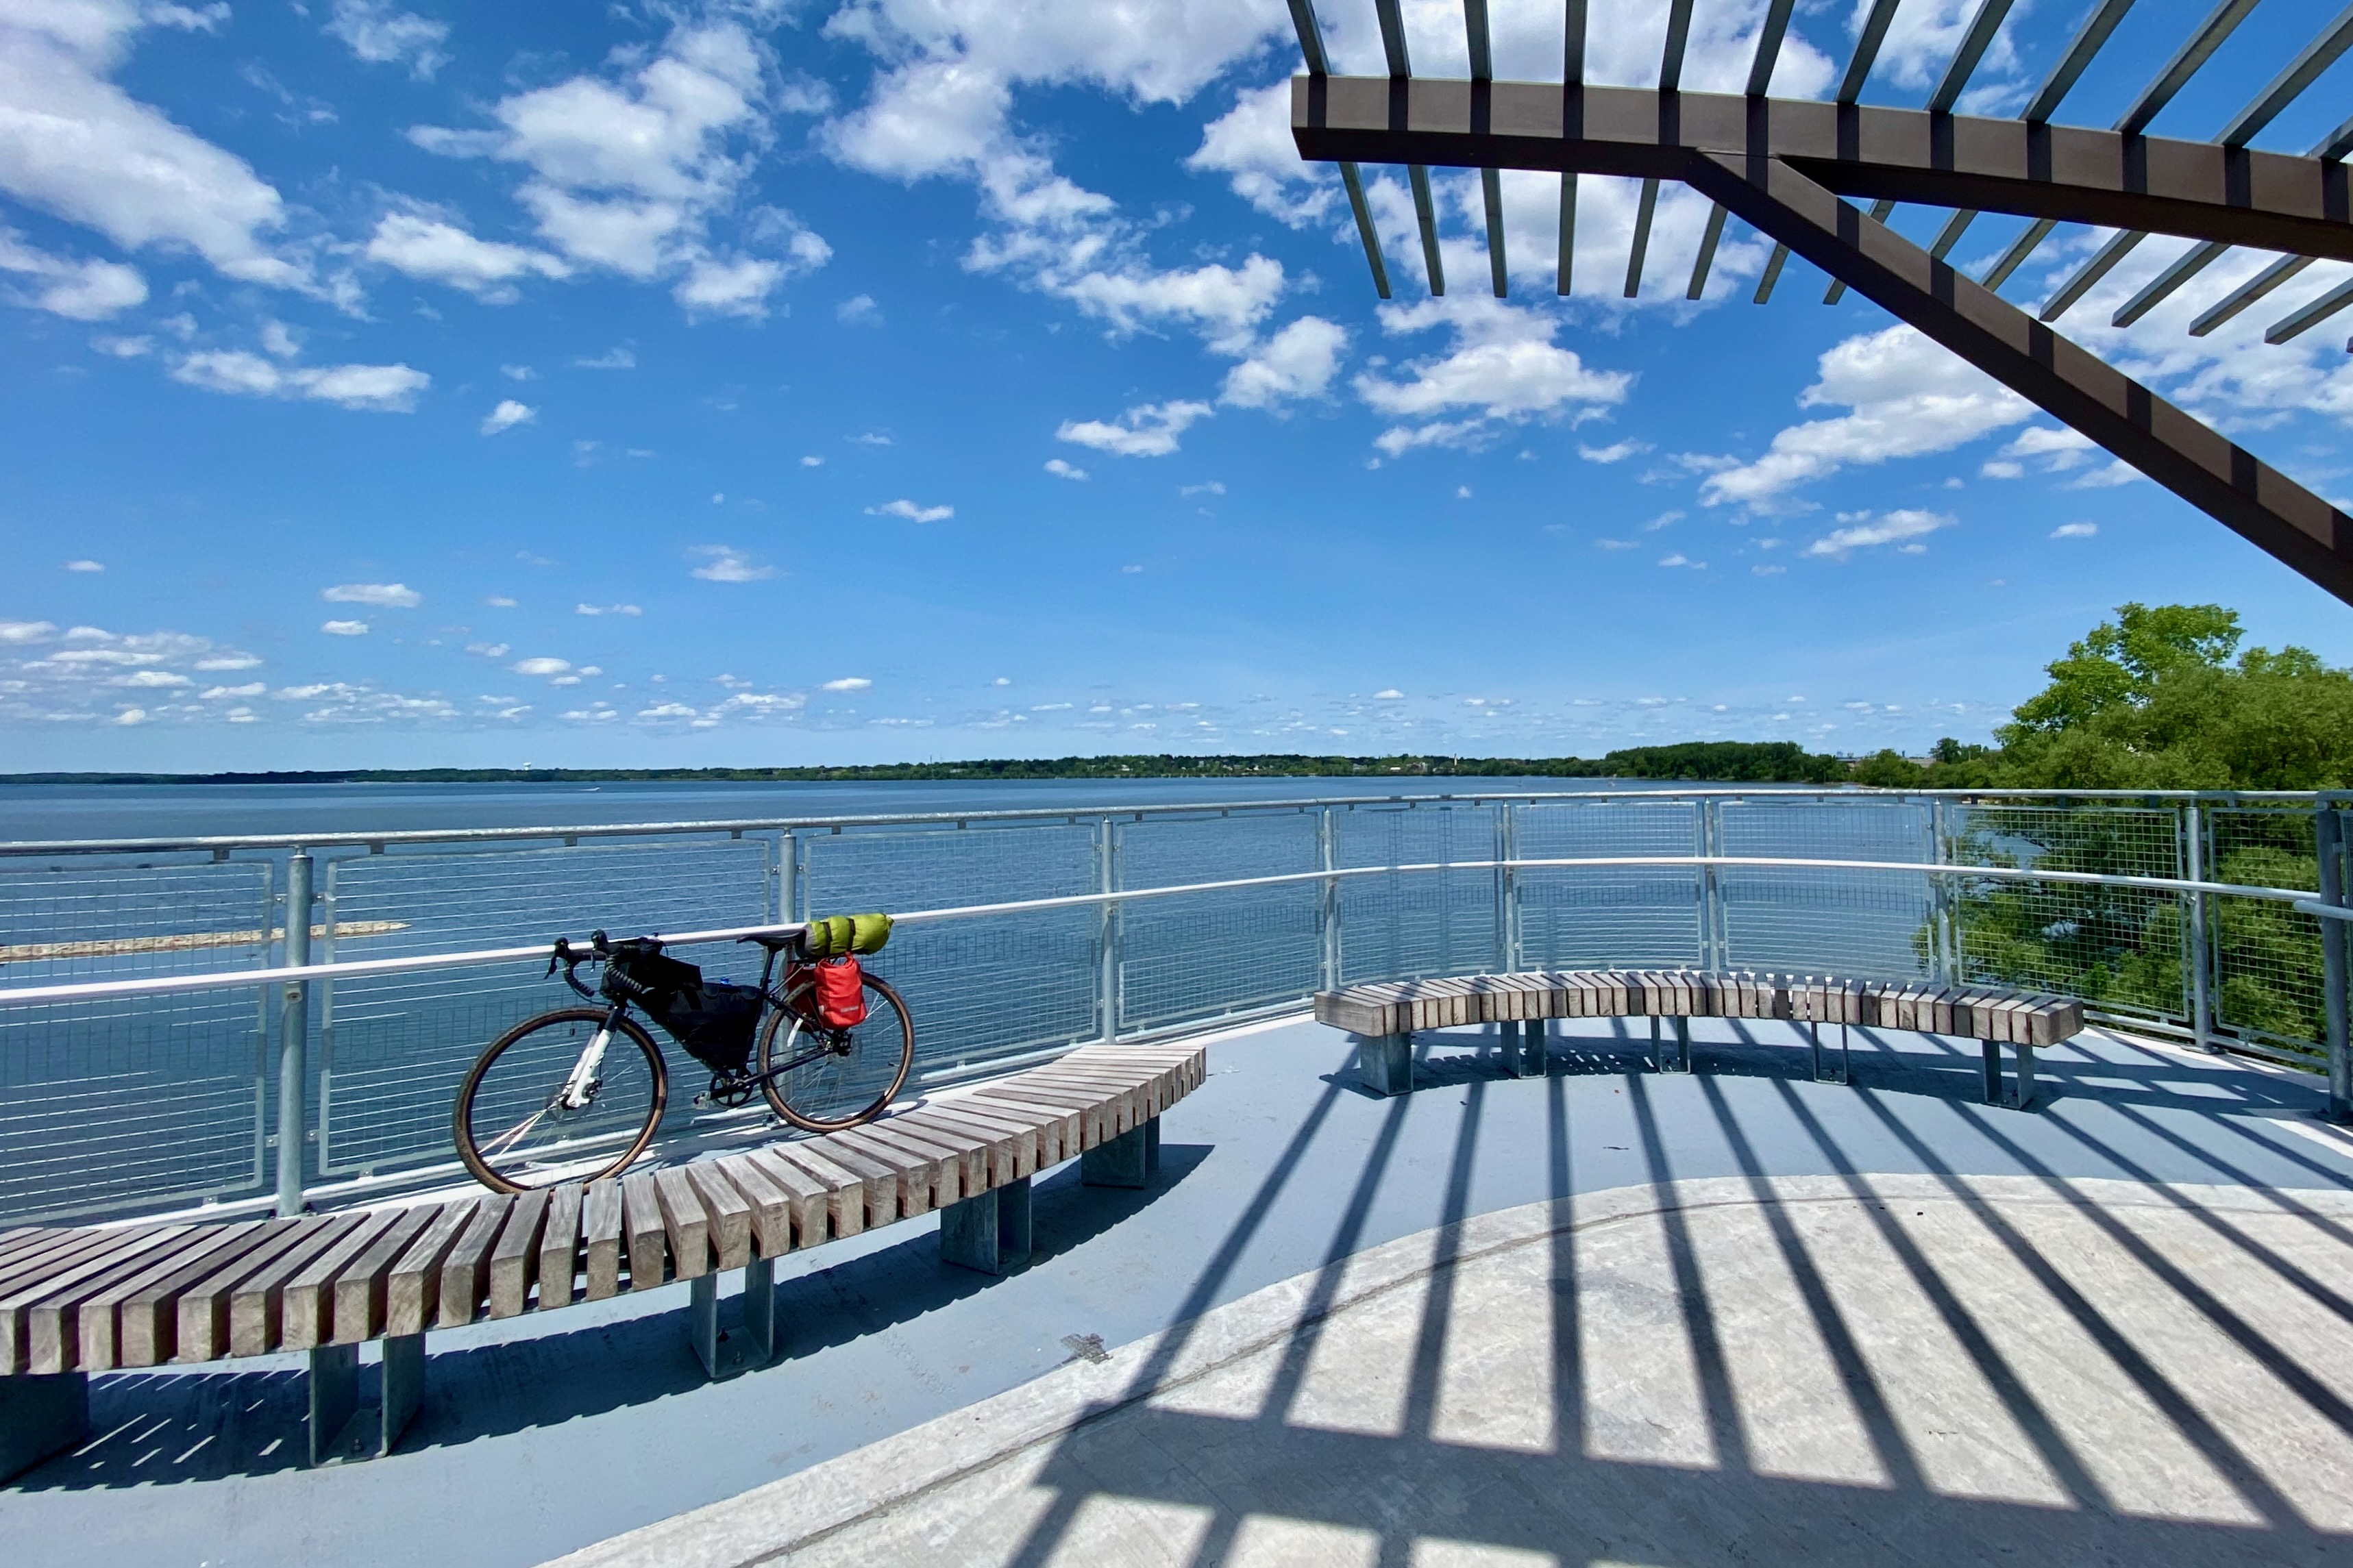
[{"x": 161, "y": 1428}]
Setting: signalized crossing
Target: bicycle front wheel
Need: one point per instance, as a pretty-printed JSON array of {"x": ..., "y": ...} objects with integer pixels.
[
  {"x": 523, "y": 1123},
  {"x": 825, "y": 1079}
]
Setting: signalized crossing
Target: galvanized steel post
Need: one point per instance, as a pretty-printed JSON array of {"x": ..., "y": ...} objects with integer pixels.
[
  {"x": 2328, "y": 840},
  {"x": 1940, "y": 899},
  {"x": 1107, "y": 940},
  {"x": 294, "y": 1039},
  {"x": 2201, "y": 988},
  {"x": 1713, "y": 938},
  {"x": 1327, "y": 851},
  {"x": 1507, "y": 892}
]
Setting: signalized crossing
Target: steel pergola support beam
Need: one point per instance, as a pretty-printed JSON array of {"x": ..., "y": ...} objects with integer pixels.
[
  {"x": 2185, "y": 456},
  {"x": 2247, "y": 293},
  {"x": 2269, "y": 201}
]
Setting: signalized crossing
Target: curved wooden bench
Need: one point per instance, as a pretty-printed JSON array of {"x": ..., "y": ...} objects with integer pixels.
[
  {"x": 80, "y": 1300},
  {"x": 1384, "y": 1017}
]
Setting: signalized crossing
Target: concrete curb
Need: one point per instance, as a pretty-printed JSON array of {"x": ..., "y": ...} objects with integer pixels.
[{"x": 782, "y": 1516}]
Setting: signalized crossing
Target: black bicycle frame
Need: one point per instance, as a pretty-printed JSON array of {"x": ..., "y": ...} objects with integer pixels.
[{"x": 618, "y": 1003}]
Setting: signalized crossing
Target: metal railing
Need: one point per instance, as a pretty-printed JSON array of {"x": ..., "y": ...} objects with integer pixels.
[{"x": 226, "y": 1019}]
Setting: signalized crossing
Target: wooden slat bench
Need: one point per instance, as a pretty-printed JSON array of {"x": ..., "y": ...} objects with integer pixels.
[
  {"x": 1384, "y": 1017},
  {"x": 80, "y": 1300}
]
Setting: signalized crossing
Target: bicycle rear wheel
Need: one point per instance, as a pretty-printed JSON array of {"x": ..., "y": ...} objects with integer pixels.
[
  {"x": 512, "y": 1126},
  {"x": 825, "y": 1079}
]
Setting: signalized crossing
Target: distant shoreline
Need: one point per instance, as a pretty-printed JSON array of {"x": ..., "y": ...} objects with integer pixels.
[{"x": 1737, "y": 761}]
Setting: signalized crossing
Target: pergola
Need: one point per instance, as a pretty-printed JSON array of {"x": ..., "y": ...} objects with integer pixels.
[{"x": 1787, "y": 166}]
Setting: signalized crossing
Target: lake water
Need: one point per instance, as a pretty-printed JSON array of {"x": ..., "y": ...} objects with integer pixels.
[{"x": 53, "y": 812}]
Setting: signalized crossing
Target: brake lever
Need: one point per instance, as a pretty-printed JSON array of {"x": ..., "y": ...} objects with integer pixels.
[{"x": 562, "y": 955}]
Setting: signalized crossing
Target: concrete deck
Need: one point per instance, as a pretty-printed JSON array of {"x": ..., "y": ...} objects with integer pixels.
[{"x": 1704, "y": 1356}]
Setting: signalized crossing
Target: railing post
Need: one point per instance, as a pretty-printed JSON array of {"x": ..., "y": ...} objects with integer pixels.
[
  {"x": 2328, "y": 840},
  {"x": 1327, "y": 851},
  {"x": 1507, "y": 900},
  {"x": 1943, "y": 955},
  {"x": 2202, "y": 988},
  {"x": 1107, "y": 879},
  {"x": 294, "y": 1039},
  {"x": 1712, "y": 935}
]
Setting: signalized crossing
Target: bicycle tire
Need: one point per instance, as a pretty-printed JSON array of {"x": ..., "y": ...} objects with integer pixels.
[
  {"x": 544, "y": 1070},
  {"x": 864, "y": 1072}
]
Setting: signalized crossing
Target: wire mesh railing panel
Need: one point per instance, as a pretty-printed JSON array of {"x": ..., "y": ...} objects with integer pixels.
[
  {"x": 2122, "y": 949},
  {"x": 138, "y": 1099},
  {"x": 947, "y": 868},
  {"x": 979, "y": 991},
  {"x": 2266, "y": 955},
  {"x": 1603, "y": 916},
  {"x": 1811, "y": 828},
  {"x": 1170, "y": 851},
  {"x": 394, "y": 1047},
  {"x": 1868, "y": 924},
  {"x": 130, "y": 1102},
  {"x": 1432, "y": 922},
  {"x": 1211, "y": 954}
]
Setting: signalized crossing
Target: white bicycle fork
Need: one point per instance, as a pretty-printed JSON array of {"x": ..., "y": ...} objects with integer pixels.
[{"x": 580, "y": 1087}]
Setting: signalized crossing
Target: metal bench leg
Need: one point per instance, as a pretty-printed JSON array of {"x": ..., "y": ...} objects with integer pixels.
[
  {"x": 1126, "y": 1161},
  {"x": 747, "y": 1346},
  {"x": 1683, "y": 1044},
  {"x": 2025, "y": 1077},
  {"x": 40, "y": 1418},
  {"x": 1384, "y": 1062},
  {"x": 1515, "y": 1051},
  {"x": 1992, "y": 1071},
  {"x": 990, "y": 1231},
  {"x": 760, "y": 1310},
  {"x": 1533, "y": 1040},
  {"x": 334, "y": 1400},
  {"x": 404, "y": 1385}
]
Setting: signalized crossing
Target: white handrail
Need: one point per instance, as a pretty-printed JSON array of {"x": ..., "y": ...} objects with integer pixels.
[{"x": 222, "y": 980}]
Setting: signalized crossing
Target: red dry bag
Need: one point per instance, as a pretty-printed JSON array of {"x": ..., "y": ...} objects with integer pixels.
[{"x": 840, "y": 992}]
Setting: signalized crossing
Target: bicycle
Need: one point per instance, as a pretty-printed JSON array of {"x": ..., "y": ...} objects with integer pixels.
[{"x": 551, "y": 1099}]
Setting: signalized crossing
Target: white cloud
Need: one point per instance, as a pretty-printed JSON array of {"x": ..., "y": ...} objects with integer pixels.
[
  {"x": 1616, "y": 452},
  {"x": 1062, "y": 470},
  {"x": 1892, "y": 528},
  {"x": 85, "y": 565},
  {"x": 606, "y": 610},
  {"x": 611, "y": 359},
  {"x": 507, "y": 416},
  {"x": 630, "y": 170},
  {"x": 216, "y": 694},
  {"x": 848, "y": 683},
  {"x": 1503, "y": 367},
  {"x": 2076, "y": 531},
  {"x": 124, "y": 347},
  {"x": 380, "y": 388},
  {"x": 912, "y": 512},
  {"x": 132, "y": 715},
  {"x": 500, "y": 602},
  {"x": 1210, "y": 487},
  {"x": 1147, "y": 430},
  {"x": 79, "y": 291},
  {"x": 1297, "y": 361},
  {"x": 488, "y": 650},
  {"x": 383, "y": 595},
  {"x": 344, "y": 628},
  {"x": 75, "y": 144},
  {"x": 542, "y": 666},
  {"x": 872, "y": 438},
  {"x": 1908, "y": 397},
  {"x": 1251, "y": 145},
  {"x": 859, "y": 310},
  {"x": 725, "y": 564},
  {"x": 441, "y": 252},
  {"x": 812, "y": 461},
  {"x": 381, "y": 34},
  {"x": 1387, "y": 694},
  {"x": 518, "y": 372}
]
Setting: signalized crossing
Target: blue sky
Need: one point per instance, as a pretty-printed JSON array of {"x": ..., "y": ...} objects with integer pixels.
[{"x": 392, "y": 382}]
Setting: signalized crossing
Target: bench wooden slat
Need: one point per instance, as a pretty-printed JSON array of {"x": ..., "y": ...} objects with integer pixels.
[
  {"x": 465, "y": 1270},
  {"x": 686, "y": 1223},
  {"x": 845, "y": 1190},
  {"x": 771, "y": 1218},
  {"x": 559, "y": 1245},
  {"x": 412, "y": 1291},
  {"x": 201, "y": 1330},
  {"x": 728, "y": 1211},
  {"x": 514, "y": 1257},
  {"x": 1075, "y": 1127},
  {"x": 1000, "y": 1146},
  {"x": 929, "y": 1175},
  {"x": 892, "y": 1191},
  {"x": 1031, "y": 1136},
  {"x": 600, "y": 1239},
  {"x": 646, "y": 1235},
  {"x": 35, "y": 1321},
  {"x": 253, "y": 1316},
  {"x": 307, "y": 1304},
  {"x": 362, "y": 1288}
]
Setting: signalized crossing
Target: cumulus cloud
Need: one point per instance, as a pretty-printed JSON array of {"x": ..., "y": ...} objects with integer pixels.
[
  {"x": 912, "y": 512},
  {"x": 85, "y": 565},
  {"x": 383, "y": 595},
  {"x": 344, "y": 628},
  {"x": 1298, "y": 361},
  {"x": 507, "y": 416},
  {"x": 1907, "y": 397},
  {"x": 378, "y": 388},
  {"x": 74, "y": 143},
  {"x": 1147, "y": 430},
  {"x": 80, "y": 291},
  {"x": 611, "y": 359},
  {"x": 2076, "y": 531},
  {"x": 542, "y": 666},
  {"x": 1864, "y": 531},
  {"x": 382, "y": 33},
  {"x": 1616, "y": 452},
  {"x": 632, "y": 170},
  {"x": 1062, "y": 470},
  {"x": 1503, "y": 367},
  {"x": 725, "y": 564},
  {"x": 429, "y": 248},
  {"x": 848, "y": 683}
]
